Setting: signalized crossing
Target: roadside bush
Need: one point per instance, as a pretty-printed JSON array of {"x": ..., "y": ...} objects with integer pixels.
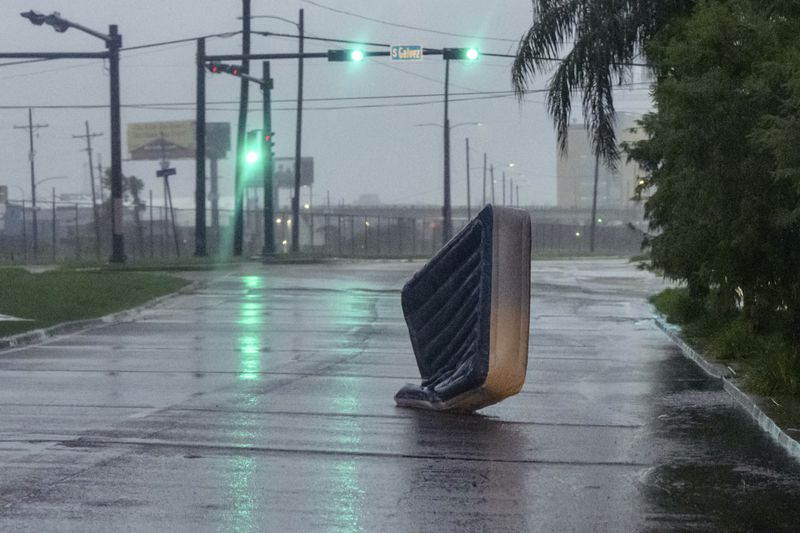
[
  {"x": 777, "y": 371},
  {"x": 736, "y": 340},
  {"x": 676, "y": 305}
]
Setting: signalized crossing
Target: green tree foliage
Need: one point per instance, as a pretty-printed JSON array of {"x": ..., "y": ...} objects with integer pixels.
[
  {"x": 606, "y": 37},
  {"x": 722, "y": 158}
]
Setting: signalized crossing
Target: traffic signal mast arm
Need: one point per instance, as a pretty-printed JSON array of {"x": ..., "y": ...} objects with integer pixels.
[
  {"x": 345, "y": 54},
  {"x": 233, "y": 70}
]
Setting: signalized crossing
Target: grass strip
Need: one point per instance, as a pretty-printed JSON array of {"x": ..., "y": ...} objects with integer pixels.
[{"x": 54, "y": 297}]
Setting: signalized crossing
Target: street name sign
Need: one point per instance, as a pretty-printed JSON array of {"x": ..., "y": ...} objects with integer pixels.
[
  {"x": 163, "y": 173},
  {"x": 411, "y": 52}
]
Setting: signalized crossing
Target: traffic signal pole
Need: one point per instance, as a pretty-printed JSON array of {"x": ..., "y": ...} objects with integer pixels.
[{"x": 200, "y": 154}]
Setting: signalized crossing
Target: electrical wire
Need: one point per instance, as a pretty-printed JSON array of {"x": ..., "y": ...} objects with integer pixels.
[
  {"x": 405, "y": 26},
  {"x": 454, "y": 97}
]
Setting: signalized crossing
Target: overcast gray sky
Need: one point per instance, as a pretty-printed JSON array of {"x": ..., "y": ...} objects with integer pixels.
[{"x": 375, "y": 150}]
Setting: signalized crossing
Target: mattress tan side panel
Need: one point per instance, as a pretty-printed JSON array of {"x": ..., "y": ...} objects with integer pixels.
[{"x": 510, "y": 305}]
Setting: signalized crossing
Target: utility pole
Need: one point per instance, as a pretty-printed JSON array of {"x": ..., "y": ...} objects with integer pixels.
[
  {"x": 238, "y": 222},
  {"x": 31, "y": 127},
  {"x": 88, "y": 136},
  {"x": 594, "y": 202},
  {"x": 100, "y": 175},
  {"x": 114, "y": 43},
  {"x": 298, "y": 138},
  {"x": 492, "y": 176},
  {"x": 483, "y": 203},
  {"x": 511, "y": 192},
  {"x": 518, "y": 195},
  {"x": 504, "y": 187},
  {"x": 469, "y": 208}
]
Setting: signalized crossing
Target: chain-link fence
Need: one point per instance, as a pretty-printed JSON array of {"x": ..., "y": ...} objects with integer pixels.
[{"x": 73, "y": 233}]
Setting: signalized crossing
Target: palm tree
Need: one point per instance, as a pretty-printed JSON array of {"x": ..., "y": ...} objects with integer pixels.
[{"x": 608, "y": 37}]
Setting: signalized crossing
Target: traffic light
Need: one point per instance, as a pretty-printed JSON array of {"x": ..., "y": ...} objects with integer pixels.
[
  {"x": 220, "y": 68},
  {"x": 253, "y": 149},
  {"x": 468, "y": 54},
  {"x": 346, "y": 55}
]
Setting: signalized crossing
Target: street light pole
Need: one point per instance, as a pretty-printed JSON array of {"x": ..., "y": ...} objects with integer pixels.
[
  {"x": 113, "y": 41},
  {"x": 447, "y": 221}
]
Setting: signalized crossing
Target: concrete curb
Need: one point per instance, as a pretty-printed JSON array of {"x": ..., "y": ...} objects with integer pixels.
[
  {"x": 40, "y": 335},
  {"x": 744, "y": 400}
]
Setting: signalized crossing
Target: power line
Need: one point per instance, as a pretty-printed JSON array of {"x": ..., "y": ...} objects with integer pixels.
[
  {"x": 283, "y": 100},
  {"x": 188, "y": 105},
  {"x": 406, "y": 26}
]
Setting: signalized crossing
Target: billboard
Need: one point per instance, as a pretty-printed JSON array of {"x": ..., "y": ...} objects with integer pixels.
[
  {"x": 153, "y": 141},
  {"x": 283, "y": 175}
]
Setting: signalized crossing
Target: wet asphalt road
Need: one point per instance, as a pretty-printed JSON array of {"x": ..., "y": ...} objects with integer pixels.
[{"x": 263, "y": 402}]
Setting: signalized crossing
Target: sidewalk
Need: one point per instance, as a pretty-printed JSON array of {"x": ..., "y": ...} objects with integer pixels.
[{"x": 263, "y": 402}]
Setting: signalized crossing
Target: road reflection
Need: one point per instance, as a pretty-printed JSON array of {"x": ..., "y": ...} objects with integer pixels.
[{"x": 245, "y": 505}]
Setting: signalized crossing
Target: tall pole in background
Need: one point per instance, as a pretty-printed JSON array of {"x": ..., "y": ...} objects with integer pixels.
[
  {"x": 31, "y": 156},
  {"x": 114, "y": 43},
  {"x": 200, "y": 155},
  {"x": 483, "y": 203},
  {"x": 95, "y": 215},
  {"x": 298, "y": 137},
  {"x": 269, "y": 209},
  {"x": 447, "y": 221},
  {"x": 53, "y": 226},
  {"x": 492, "y": 177},
  {"x": 504, "y": 187},
  {"x": 469, "y": 202},
  {"x": 238, "y": 216},
  {"x": 594, "y": 202}
]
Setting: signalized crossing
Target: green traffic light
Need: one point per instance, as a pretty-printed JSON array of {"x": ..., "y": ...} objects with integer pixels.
[
  {"x": 472, "y": 54},
  {"x": 357, "y": 55},
  {"x": 251, "y": 157}
]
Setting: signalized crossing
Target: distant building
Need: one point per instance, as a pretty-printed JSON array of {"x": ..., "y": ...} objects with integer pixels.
[
  {"x": 368, "y": 199},
  {"x": 575, "y": 170}
]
